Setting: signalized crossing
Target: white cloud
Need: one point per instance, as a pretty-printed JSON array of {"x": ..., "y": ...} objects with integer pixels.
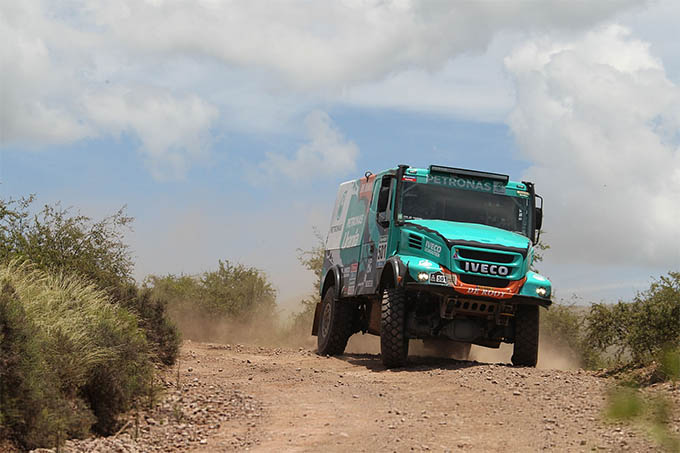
[
  {"x": 55, "y": 89},
  {"x": 172, "y": 130},
  {"x": 257, "y": 62},
  {"x": 332, "y": 43},
  {"x": 600, "y": 121},
  {"x": 469, "y": 86},
  {"x": 328, "y": 152}
]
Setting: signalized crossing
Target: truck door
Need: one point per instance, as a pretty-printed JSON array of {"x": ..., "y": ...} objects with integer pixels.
[{"x": 374, "y": 246}]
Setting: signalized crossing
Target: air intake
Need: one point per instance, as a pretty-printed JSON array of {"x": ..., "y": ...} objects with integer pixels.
[{"x": 415, "y": 241}]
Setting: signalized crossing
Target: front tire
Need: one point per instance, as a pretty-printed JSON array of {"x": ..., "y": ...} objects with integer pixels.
[
  {"x": 393, "y": 339},
  {"x": 525, "y": 352},
  {"x": 335, "y": 326}
]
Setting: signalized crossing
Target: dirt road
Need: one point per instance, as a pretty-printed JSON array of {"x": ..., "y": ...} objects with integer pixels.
[{"x": 233, "y": 397}]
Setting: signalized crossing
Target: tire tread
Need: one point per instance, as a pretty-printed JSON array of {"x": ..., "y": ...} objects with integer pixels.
[
  {"x": 341, "y": 325},
  {"x": 393, "y": 340},
  {"x": 525, "y": 351}
]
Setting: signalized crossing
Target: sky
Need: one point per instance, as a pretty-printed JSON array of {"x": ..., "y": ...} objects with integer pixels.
[{"x": 226, "y": 126}]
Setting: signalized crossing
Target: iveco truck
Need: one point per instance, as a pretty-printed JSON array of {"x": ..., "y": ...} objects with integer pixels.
[{"x": 439, "y": 254}]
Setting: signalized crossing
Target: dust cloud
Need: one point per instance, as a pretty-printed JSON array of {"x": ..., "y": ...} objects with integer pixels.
[
  {"x": 254, "y": 330},
  {"x": 552, "y": 355},
  {"x": 273, "y": 332}
]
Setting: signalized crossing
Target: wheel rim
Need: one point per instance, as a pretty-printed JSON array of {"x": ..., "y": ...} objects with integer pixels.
[{"x": 326, "y": 320}]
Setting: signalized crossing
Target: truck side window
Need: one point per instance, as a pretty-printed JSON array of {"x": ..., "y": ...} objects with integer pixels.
[{"x": 384, "y": 196}]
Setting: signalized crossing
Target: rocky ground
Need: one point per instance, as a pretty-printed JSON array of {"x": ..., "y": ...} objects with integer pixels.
[{"x": 247, "y": 398}]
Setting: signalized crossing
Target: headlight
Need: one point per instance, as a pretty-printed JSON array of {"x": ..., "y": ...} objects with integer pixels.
[
  {"x": 541, "y": 291},
  {"x": 423, "y": 276}
]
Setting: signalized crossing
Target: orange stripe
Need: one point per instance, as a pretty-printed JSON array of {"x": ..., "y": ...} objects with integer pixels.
[{"x": 486, "y": 291}]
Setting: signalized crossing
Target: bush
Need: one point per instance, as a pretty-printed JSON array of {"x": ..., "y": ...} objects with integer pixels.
[
  {"x": 60, "y": 241},
  {"x": 565, "y": 326},
  {"x": 31, "y": 407},
  {"x": 162, "y": 334},
  {"x": 638, "y": 331},
  {"x": 233, "y": 302},
  {"x": 55, "y": 239},
  {"x": 70, "y": 357}
]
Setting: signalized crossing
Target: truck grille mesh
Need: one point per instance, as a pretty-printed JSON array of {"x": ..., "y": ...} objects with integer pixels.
[
  {"x": 484, "y": 281},
  {"x": 482, "y": 255}
]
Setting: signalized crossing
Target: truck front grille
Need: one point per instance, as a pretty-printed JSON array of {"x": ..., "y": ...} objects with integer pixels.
[
  {"x": 484, "y": 281},
  {"x": 482, "y": 255}
]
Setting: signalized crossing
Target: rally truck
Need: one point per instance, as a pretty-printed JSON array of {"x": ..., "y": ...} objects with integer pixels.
[{"x": 439, "y": 254}]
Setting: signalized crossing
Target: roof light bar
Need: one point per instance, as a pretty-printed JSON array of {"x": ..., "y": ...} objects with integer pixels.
[{"x": 469, "y": 173}]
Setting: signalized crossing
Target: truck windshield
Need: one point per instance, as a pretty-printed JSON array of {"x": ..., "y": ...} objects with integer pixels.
[{"x": 430, "y": 201}]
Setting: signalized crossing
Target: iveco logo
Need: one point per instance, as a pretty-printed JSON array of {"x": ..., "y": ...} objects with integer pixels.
[{"x": 490, "y": 269}]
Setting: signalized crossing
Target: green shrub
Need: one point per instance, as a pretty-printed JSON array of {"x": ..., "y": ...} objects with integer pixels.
[
  {"x": 236, "y": 290},
  {"x": 31, "y": 406},
  {"x": 68, "y": 355},
  {"x": 57, "y": 239},
  {"x": 652, "y": 413},
  {"x": 60, "y": 241},
  {"x": 235, "y": 302},
  {"x": 637, "y": 332},
  {"x": 162, "y": 333},
  {"x": 564, "y": 325}
]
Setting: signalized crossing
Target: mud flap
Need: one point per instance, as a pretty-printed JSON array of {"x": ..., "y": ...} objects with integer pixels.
[{"x": 317, "y": 318}]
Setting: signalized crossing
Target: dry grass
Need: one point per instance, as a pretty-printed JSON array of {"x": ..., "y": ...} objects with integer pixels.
[{"x": 70, "y": 357}]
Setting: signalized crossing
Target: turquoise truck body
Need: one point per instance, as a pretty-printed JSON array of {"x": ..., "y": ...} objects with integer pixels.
[{"x": 456, "y": 245}]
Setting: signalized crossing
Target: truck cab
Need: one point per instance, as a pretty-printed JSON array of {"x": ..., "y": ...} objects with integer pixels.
[{"x": 440, "y": 254}]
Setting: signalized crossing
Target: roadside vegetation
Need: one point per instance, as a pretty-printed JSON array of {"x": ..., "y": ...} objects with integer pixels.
[
  {"x": 623, "y": 336},
  {"x": 79, "y": 342},
  {"x": 232, "y": 303},
  {"x": 637, "y": 343}
]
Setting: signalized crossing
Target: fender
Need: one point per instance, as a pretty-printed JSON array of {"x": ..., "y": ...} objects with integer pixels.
[
  {"x": 334, "y": 276},
  {"x": 396, "y": 267}
]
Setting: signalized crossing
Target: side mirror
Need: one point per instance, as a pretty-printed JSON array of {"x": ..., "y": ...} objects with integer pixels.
[
  {"x": 383, "y": 221},
  {"x": 539, "y": 218}
]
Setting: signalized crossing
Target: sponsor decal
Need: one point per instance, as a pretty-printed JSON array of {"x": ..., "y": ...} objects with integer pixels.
[
  {"x": 355, "y": 221},
  {"x": 341, "y": 205},
  {"x": 433, "y": 249},
  {"x": 487, "y": 292},
  {"x": 350, "y": 240},
  {"x": 498, "y": 188},
  {"x": 426, "y": 263},
  {"x": 467, "y": 183},
  {"x": 409, "y": 178},
  {"x": 369, "y": 266},
  {"x": 489, "y": 269},
  {"x": 382, "y": 252},
  {"x": 353, "y": 277},
  {"x": 438, "y": 277}
]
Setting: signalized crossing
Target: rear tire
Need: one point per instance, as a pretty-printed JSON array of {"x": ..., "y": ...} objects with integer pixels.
[
  {"x": 526, "y": 336},
  {"x": 393, "y": 339},
  {"x": 335, "y": 325}
]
